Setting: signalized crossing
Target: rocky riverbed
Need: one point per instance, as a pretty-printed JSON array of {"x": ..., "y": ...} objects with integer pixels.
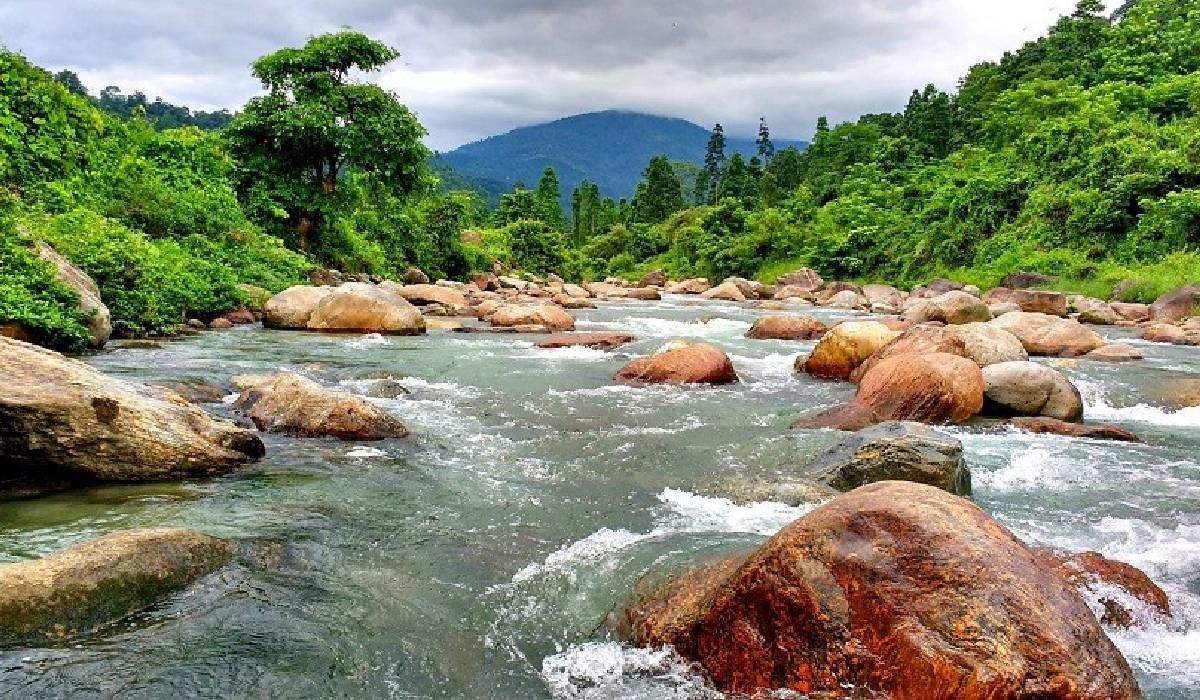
[{"x": 482, "y": 541}]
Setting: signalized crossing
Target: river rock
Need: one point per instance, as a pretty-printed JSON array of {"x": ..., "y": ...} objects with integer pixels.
[
  {"x": 895, "y": 588},
  {"x": 1043, "y": 334},
  {"x": 844, "y": 347},
  {"x": 196, "y": 391},
  {"x": 98, "y": 321},
  {"x": 291, "y": 308},
  {"x": 1095, "y": 311},
  {"x": 1115, "y": 352},
  {"x": 936, "y": 288},
  {"x": 1030, "y": 389},
  {"x": 804, "y": 279},
  {"x": 882, "y": 294},
  {"x": 84, "y": 587},
  {"x": 682, "y": 363},
  {"x": 726, "y": 291},
  {"x": 574, "y": 290},
  {"x": 786, "y": 293},
  {"x": 1131, "y": 312},
  {"x": 1176, "y": 305},
  {"x": 1168, "y": 333},
  {"x": 1091, "y": 573},
  {"x": 60, "y": 419},
  {"x": 423, "y": 294},
  {"x": 932, "y": 388},
  {"x": 695, "y": 285},
  {"x": 1054, "y": 426},
  {"x": 415, "y": 276},
  {"x": 952, "y": 307},
  {"x": 654, "y": 278},
  {"x": 294, "y": 405},
  {"x": 356, "y": 307},
  {"x": 600, "y": 339},
  {"x": 551, "y": 317},
  {"x": 1041, "y": 302},
  {"x": 845, "y": 299},
  {"x": 485, "y": 281},
  {"x": 786, "y": 328},
  {"x": 894, "y": 451},
  {"x": 1025, "y": 280},
  {"x": 979, "y": 342}
]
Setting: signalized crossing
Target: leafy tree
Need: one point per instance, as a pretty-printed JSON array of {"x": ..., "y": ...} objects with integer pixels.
[
  {"x": 297, "y": 144},
  {"x": 519, "y": 205}
]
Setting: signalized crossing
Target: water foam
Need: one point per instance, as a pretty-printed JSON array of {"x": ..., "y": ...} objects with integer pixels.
[
  {"x": 1098, "y": 407},
  {"x": 597, "y": 670}
]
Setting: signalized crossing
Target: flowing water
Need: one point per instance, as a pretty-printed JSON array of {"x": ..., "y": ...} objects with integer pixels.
[{"x": 480, "y": 557}]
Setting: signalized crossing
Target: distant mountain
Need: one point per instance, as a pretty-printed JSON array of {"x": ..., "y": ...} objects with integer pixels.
[{"x": 610, "y": 148}]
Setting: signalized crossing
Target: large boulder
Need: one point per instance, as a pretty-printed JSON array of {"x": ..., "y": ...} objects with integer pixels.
[
  {"x": 682, "y": 363},
  {"x": 844, "y": 347},
  {"x": 1092, "y": 573},
  {"x": 894, "y": 451},
  {"x": 1115, "y": 352},
  {"x": 896, "y": 588},
  {"x": 1095, "y": 311},
  {"x": 1030, "y": 389},
  {"x": 786, "y": 328},
  {"x": 1025, "y": 280},
  {"x": 294, "y": 405},
  {"x": 89, "y": 585},
  {"x": 804, "y": 279},
  {"x": 726, "y": 291},
  {"x": 99, "y": 321},
  {"x": 845, "y": 299},
  {"x": 356, "y": 307},
  {"x": 935, "y": 288},
  {"x": 423, "y": 294},
  {"x": 979, "y": 342},
  {"x": 415, "y": 276},
  {"x": 1169, "y": 333},
  {"x": 932, "y": 388},
  {"x": 1135, "y": 313},
  {"x": 61, "y": 420},
  {"x": 291, "y": 308},
  {"x": 653, "y": 278},
  {"x": 545, "y": 315},
  {"x": 883, "y": 295},
  {"x": 953, "y": 307},
  {"x": 1040, "y": 302},
  {"x": 1043, "y": 334},
  {"x": 1176, "y": 305}
]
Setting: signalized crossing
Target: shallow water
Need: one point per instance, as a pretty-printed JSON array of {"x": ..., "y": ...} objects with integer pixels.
[{"x": 480, "y": 557}]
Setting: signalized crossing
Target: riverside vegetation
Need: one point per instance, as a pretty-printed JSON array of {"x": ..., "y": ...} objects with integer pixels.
[{"x": 486, "y": 370}]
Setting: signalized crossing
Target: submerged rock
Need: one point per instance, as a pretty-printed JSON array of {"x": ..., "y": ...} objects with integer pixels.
[
  {"x": 603, "y": 340},
  {"x": 1095, "y": 431},
  {"x": 685, "y": 363},
  {"x": 844, "y": 347},
  {"x": 895, "y": 451},
  {"x": 290, "y": 404},
  {"x": 786, "y": 328},
  {"x": 84, "y": 587},
  {"x": 898, "y": 588},
  {"x": 1115, "y": 352},
  {"x": 60, "y": 419},
  {"x": 1092, "y": 573},
  {"x": 1030, "y": 389}
]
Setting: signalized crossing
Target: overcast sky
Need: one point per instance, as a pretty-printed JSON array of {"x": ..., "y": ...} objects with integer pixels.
[{"x": 472, "y": 68}]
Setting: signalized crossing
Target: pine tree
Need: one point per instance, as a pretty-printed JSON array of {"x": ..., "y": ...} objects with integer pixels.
[
  {"x": 822, "y": 125},
  {"x": 659, "y": 194},
  {"x": 714, "y": 162},
  {"x": 766, "y": 149},
  {"x": 549, "y": 197}
]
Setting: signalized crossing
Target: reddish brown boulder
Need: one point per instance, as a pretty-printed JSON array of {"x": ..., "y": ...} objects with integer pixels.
[
  {"x": 601, "y": 340},
  {"x": 690, "y": 363},
  {"x": 978, "y": 342},
  {"x": 1095, "y": 431},
  {"x": 1041, "y": 302},
  {"x": 786, "y": 328},
  {"x": 1174, "y": 306},
  {"x": 851, "y": 417},
  {"x": 933, "y": 388},
  {"x": 897, "y": 588},
  {"x": 804, "y": 279},
  {"x": 1088, "y": 571}
]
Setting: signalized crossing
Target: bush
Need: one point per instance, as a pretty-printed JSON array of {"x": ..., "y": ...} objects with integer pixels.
[{"x": 32, "y": 297}]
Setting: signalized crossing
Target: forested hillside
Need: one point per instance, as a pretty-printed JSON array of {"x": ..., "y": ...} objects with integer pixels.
[{"x": 608, "y": 148}]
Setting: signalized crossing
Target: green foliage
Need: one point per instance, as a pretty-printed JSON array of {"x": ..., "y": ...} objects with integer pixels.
[
  {"x": 33, "y": 298},
  {"x": 535, "y": 245}
]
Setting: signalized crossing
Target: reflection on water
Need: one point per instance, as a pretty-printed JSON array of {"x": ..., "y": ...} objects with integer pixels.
[{"x": 480, "y": 557}]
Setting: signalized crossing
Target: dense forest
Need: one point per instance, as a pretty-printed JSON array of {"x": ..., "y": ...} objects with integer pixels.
[{"x": 1077, "y": 155}]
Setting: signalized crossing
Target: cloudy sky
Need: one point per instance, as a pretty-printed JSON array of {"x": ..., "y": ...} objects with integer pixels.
[{"x": 471, "y": 68}]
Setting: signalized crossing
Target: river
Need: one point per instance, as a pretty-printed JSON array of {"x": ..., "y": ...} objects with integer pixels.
[{"x": 479, "y": 557}]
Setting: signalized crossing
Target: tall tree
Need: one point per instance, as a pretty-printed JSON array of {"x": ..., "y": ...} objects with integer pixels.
[
  {"x": 766, "y": 149},
  {"x": 315, "y": 127},
  {"x": 714, "y": 162},
  {"x": 659, "y": 194},
  {"x": 549, "y": 199},
  {"x": 822, "y": 124}
]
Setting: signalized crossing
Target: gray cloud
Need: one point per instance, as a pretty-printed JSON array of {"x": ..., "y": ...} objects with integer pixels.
[{"x": 471, "y": 68}]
